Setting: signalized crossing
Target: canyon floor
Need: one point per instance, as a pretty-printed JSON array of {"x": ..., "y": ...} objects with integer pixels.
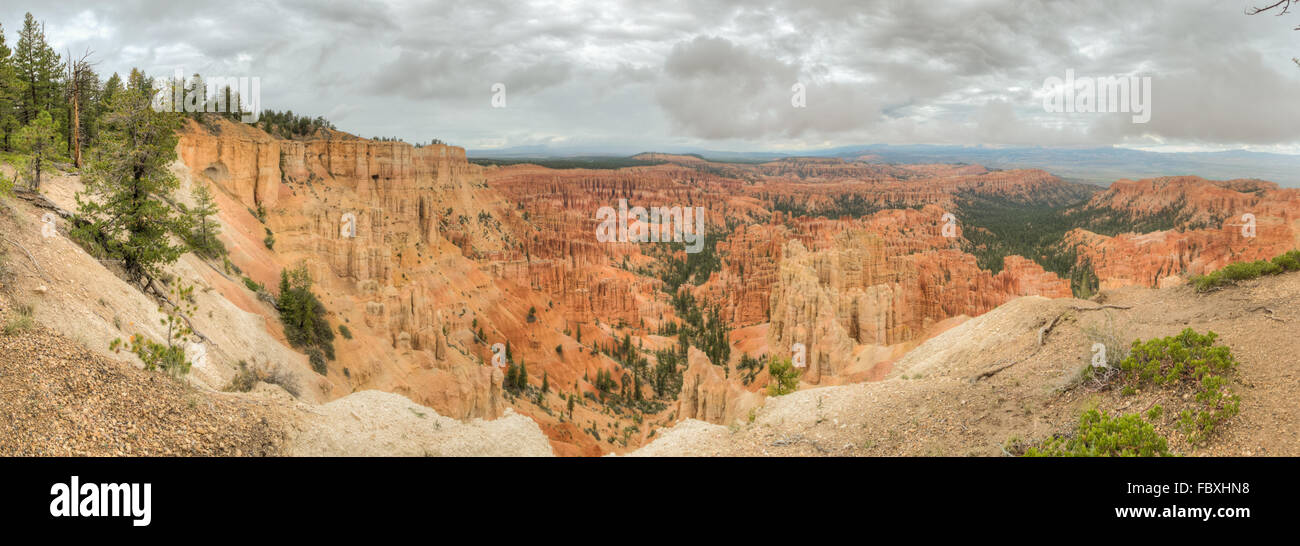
[{"x": 935, "y": 404}]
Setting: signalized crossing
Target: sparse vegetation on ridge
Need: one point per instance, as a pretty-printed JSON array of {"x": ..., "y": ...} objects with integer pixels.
[
  {"x": 288, "y": 125},
  {"x": 1241, "y": 271},
  {"x": 169, "y": 356}
]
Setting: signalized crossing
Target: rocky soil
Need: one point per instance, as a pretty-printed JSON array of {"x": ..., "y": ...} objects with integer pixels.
[{"x": 59, "y": 399}]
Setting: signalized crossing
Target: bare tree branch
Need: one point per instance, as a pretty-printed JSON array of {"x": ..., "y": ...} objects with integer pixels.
[{"x": 1286, "y": 5}]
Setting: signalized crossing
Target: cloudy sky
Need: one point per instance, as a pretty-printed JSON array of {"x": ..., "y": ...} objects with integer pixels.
[{"x": 634, "y": 76}]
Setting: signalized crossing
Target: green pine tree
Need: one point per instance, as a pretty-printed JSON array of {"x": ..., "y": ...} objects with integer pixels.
[
  {"x": 124, "y": 209},
  {"x": 784, "y": 377},
  {"x": 37, "y": 141},
  {"x": 302, "y": 314},
  {"x": 99, "y": 108},
  {"x": 512, "y": 377},
  {"x": 8, "y": 95},
  {"x": 39, "y": 70},
  {"x": 203, "y": 237}
]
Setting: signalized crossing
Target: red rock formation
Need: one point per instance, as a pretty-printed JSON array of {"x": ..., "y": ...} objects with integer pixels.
[
  {"x": 867, "y": 286},
  {"x": 1210, "y": 232},
  {"x": 444, "y": 249},
  {"x": 707, "y": 395},
  {"x": 885, "y": 278},
  {"x": 384, "y": 282}
]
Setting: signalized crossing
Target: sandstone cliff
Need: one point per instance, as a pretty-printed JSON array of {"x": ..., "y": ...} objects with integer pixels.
[
  {"x": 373, "y": 223},
  {"x": 708, "y": 396},
  {"x": 862, "y": 298},
  {"x": 1206, "y": 223}
]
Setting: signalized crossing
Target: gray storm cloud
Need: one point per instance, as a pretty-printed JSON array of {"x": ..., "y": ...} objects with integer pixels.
[{"x": 719, "y": 73}]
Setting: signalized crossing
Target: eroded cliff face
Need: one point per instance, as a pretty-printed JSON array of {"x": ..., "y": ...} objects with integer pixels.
[
  {"x": 375, "y": 223},
  {"x": 863, "y": 296},
  {"x": 707, "y": 394},
  {"x": 429, "y": 260},
  {"x": 846, "y": 257},
  {"x": 1208, "y": 221}
]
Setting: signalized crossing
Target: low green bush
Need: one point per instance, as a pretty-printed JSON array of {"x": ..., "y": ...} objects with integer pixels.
[
  {"x": 1240, "y": 271},
  {"x": 1100, "y": 435},
  {"x": 1190, "y": 359},
  {"x": 1187, "y": 360}
]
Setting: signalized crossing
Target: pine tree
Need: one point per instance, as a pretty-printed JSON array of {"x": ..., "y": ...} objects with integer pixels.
[
  {"x": 124, "y": 206},
  {"x": 99, "y": 108},
  {"x": 8, "y": 95},
  {"x": 522, "y": 378},
  {"x": 286, "y": 292},
  {"x": 37, "y": 141},
  {"x": 546, "y": 382},
  {"x": 203, "y": 238},
  {"x": 512, "y": 377},
  {"x": 38, "y": 68},
  {"x": 302, "y": 314},
  {"x": 784, "y": 377},
  {"x": 233, "y": 107}
]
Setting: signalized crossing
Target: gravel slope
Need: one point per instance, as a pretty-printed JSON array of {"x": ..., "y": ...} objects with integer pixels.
[{"x": 59, "y": 399}]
